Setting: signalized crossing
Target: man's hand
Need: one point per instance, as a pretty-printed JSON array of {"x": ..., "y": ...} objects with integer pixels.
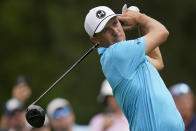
[{"x": 129, "y": 19}]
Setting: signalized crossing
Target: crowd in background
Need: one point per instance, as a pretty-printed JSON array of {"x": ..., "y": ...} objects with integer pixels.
[{"x": 60, "y": 114}]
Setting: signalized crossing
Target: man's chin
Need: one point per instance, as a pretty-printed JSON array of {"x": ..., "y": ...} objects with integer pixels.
[{"x": 118, "y": 40}]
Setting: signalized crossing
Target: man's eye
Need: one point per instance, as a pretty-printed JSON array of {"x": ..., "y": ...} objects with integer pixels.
[
  {"x": 115, "y": 23},
  {"x": 104, "y": 30}
]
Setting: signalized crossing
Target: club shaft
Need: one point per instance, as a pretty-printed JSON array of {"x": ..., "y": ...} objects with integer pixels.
[{"x": 62, "y": 76}]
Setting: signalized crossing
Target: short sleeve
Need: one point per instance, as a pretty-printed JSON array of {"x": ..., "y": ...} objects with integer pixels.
[{"x": 128, "y": 55}]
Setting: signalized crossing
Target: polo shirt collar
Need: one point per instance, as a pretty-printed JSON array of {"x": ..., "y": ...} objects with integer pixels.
[{"x": 101, "y": 50}]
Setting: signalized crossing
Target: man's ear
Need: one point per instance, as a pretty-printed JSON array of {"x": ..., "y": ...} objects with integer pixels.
[{"x": 94, "y": 40}]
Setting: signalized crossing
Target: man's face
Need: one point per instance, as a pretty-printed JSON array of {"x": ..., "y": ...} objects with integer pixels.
[
  {"x": 112, "y": 33},
  {"x": 17, "y": 121}
]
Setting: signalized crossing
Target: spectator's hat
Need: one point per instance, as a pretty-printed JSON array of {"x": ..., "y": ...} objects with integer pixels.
[
  {"x": 180, "y": 88},
  {"x": 58, "y": 108},
  {"x": 12, "y": 106}
]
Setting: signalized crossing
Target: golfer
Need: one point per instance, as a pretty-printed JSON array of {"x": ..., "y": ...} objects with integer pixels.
[{"x": 131, "y": 67}]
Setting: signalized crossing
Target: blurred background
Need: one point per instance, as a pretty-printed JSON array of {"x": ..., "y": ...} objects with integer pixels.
[{"x": 41, "y": 39}]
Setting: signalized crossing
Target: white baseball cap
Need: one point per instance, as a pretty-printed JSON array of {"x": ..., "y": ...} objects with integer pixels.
[
  {"x": 56, "y": 104},
  {"x": 97, "y": 18},
  {"x": 106, "y": 90},
  {"x": 13, "y": 105},
  {"x": 180, "y": 88}
]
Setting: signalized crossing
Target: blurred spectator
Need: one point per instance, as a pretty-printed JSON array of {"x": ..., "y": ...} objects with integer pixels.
[
  {"x": 21, "y": 90},
  {"x": 184, "y": 99},
  {"x": 112, "y": 119},
  {"x": 14, "y": 116},
  {"x": 62, "y": 117},
  {"x": 4, "y": 123},
  {"x": 14, "y": 113}
]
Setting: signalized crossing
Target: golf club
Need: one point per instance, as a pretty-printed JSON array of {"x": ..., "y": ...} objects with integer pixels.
[{"x": 35, "y": 115}]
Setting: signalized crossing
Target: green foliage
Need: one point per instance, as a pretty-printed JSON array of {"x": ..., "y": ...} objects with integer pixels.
[{"x": 42, "y": 39}]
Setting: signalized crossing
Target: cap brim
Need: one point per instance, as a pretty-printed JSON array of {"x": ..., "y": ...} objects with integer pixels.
[
  {"x": 103, "y": 23},
  {"x": 65, "y": 111}
]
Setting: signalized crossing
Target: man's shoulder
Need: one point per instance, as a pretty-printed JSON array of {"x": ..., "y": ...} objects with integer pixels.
[
  {"x": 128, "y": 43},
  {"x": 133, "y": 41},
  {"x": 120, "y": 45}
]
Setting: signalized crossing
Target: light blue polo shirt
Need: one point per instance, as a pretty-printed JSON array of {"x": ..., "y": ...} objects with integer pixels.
[{"x": 138, "y": 88}]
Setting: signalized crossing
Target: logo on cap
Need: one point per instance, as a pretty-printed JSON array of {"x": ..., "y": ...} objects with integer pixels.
[{"x": 100, "y": 14}]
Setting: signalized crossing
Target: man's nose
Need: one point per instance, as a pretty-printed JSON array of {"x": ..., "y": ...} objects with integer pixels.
[{"x": 114, "y": 31}]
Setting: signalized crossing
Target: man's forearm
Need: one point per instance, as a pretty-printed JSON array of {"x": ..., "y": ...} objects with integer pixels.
[
  {"x": 149, "y": 24},
  {"x": 152, "y": 30},
  {"x": 155, "y": 55}
]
